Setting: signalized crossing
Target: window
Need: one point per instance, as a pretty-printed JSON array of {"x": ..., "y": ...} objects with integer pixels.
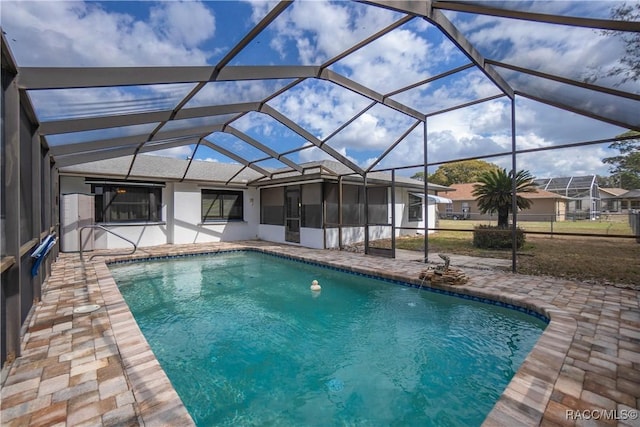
[
  {"x": 415, "y": 208},
  {"x": 377, "y": 199},
  {"x": 449, "y": 210},
  {"x": 272, "y": 206},
  {"x": 311, "y": 199},
  {"x": 332, "y": 214},
  {"x": 127, "y": 203},
  {"x": 222, "y": 205},
  {"x": 352, "y": 204}
]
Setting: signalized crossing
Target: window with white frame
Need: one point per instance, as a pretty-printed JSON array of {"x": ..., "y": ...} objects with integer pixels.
[{"x": 415, "y": 208}]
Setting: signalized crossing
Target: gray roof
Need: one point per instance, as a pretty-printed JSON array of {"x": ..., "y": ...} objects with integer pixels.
[
  {"x": 631, "y": 194},
  {"x": 149, "y": 167}
]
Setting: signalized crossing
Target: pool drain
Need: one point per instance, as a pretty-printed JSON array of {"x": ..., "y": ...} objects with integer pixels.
[
  {"x": 84, "y": 309},
  {"x": 335, "y": 385}
]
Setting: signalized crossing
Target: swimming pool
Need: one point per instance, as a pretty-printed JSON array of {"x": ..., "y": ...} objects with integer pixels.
[{"x": 245, "y": 342}]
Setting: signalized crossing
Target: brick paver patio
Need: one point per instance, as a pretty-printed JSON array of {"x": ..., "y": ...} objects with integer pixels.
[{"x": 97, "y": 368}]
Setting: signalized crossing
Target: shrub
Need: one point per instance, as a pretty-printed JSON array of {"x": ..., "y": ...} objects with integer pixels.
[{"x": 492, "y": 237}]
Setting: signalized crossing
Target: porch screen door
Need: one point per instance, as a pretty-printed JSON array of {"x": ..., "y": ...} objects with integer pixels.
[{"x": 292, "y": 215}]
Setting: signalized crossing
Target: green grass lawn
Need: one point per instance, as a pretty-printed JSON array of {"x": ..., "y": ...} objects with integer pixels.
[{"x": 615, "y": 226}]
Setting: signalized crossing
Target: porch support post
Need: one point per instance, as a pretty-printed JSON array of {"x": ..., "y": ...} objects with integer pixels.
[
  {"x": 514, "y": 202},
  {"x": 426, "y": 194},
  {"x": 36, "y": 207},
  {"x": 11, "y": 278},
  {"x": 340, "y": 212},
  {"x": 366, "y": 216},
  {"x": 393, "y": 213}
]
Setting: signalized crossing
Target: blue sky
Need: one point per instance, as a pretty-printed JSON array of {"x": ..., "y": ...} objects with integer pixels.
[{"x": 114, "y": 33}]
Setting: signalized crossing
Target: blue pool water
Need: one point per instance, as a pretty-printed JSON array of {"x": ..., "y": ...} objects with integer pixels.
[{"x": 245, "y": 342}]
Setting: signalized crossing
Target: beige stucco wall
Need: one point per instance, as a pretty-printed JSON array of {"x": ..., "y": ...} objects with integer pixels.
[{"x": 541, "y": 210}]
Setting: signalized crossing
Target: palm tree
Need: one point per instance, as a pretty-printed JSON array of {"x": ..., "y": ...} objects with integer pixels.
[{"x": 494, "y": 191}]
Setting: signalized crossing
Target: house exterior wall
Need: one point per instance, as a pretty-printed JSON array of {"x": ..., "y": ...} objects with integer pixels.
[
  {"x": 545, "y": 210},
  {"x": 182, "y": 221},
  {"x": 330, "y": 237},
  {"x": 309, "y": 237},
  {"x": 471, "y": 211},
  {"x": 142, "y": 235},
  {"x": 350, "y": 235},
  {"x": 541, "y": 210},
  {"x": 402, "y": 214},
  {"x": 187, "y": 217}
]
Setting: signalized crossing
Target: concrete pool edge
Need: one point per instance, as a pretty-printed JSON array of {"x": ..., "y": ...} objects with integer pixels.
[
  {"x": 525, "y": 398},
  {"x": 156, "y": 400}
]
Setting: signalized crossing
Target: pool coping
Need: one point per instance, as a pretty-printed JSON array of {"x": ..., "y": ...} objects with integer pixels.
[{"x": 553, "y": 379}]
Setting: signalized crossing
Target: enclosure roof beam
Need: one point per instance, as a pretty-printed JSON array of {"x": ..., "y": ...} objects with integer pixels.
[
  {"x": 311, "y": 138},
  {"x": 246, "y": 138},
  {"x": 235, "y": 157},
  {"x": 118, "y": 120},
  {"x": 119, "y": 151},
  {"x": 41, "y": 78},
  {"x": 392, "y": 146},
  {"x": 64, "y": 149},
  {"x": 582, "y": 112},
  {"x": 450, "y": 30},
  {"x": 431, "y": 79},
  {"x": 347, "y": 83},
  {"x": 427, "y": 10},
  {"x": 483, "y": 9},
  {"x": 368, "y": 40},
  {"x": 565, "y": 80}
]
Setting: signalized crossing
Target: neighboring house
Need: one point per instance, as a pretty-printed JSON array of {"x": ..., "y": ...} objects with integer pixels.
[
  {"x": 630, "y": 201},
  {"x": 546, "y": 206},
  {"x": 619, "y": 200},
  {"x": 320, "y": 207},
  {"x": 582, "y": 192},
  {"x": 610, "y": 200}
]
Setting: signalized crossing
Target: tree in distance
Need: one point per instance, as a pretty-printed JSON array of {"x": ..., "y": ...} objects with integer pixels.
[
  {"x": 463, "y": 172},
  {"x": 625, "y": 167},
  {"x": 494, "y": 193}
]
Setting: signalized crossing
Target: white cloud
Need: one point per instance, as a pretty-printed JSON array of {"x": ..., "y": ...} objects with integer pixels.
[
  {"x": 186, "y": 22},
  {"x": 57, "y": 33},
  {"x": 259, "y": 9},
  {"x": 376, "y": 65},
  {"x": 320, "y": 107},
  {"x": 321, "y": 30}
]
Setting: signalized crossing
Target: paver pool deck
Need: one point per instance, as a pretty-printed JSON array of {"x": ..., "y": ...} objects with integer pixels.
[{"x": 97, "y": 368}]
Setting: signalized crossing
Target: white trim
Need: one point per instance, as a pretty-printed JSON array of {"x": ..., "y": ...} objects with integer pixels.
[{"x": 433, "y": 198}]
